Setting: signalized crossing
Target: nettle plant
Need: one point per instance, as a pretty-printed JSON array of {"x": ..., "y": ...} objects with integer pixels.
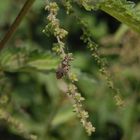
[{"x": 19, "y": 59}]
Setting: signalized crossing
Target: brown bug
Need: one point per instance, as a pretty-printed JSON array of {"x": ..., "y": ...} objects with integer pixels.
[{"x": 63, "y": 67}]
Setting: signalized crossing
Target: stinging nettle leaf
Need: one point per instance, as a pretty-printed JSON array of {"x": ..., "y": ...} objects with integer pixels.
[
  {"x": 16, "y": 59},
  {"x": 43, "y": 62},
  {"x": 124, "y": 11}
]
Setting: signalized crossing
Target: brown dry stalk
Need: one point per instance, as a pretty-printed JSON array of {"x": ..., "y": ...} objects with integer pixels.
[{"x": 16, "y": 22}]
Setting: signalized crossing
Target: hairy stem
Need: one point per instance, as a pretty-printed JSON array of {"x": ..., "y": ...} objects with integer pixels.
[{"x": 16, "y": 22}]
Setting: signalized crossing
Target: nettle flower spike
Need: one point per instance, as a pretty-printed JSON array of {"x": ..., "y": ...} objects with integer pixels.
[
  {"x": 53, "y": 26},
  {"x": 78, "y": 108},
  {"x": 52, "y": 7},
  {"x": 93, "y": 47},
  {"x": 87, "y": 4},
  {"x": 63, "y": 69}
]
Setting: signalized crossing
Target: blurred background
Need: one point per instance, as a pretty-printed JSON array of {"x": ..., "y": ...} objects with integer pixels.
[{"x": 37, "y": 99}]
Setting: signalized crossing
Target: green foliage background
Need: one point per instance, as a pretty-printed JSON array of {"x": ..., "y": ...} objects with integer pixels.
[{"x": 37, "y": 98}]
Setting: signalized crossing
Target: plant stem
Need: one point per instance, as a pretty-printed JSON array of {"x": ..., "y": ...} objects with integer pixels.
[{"x": 16, "y": 23}]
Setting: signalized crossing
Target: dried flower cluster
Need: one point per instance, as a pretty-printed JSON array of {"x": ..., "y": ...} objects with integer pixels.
[
  {"x": 15, "y": 124},
  {"x": 5, "y": 89},
  {"x": 54, "y": 28}
]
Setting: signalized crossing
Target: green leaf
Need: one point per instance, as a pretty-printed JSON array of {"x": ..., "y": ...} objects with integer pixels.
[
  {"x": 43, "y": 61},
  {"x": 64, "y": 115},
  {"x": 123, "y": 11},
  {"x": 12, "y": 59},
  {"x": 16, "y": 59}
]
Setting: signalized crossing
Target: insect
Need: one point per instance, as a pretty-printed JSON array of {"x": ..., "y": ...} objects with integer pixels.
[{"x": 63, "y": 68}]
